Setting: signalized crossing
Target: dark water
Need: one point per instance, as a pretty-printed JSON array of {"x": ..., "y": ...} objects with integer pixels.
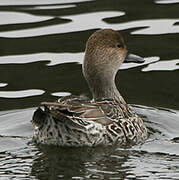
[{"x": 41, "y": 51}]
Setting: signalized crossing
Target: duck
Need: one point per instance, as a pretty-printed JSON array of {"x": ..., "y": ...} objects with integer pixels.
[{"x": 106, "y": 119}]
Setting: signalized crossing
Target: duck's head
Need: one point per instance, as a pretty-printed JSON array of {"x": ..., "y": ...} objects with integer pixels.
[{"x": 104, "y": 54}]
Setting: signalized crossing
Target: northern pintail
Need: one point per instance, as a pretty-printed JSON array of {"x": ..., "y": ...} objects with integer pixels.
[{"x": 104, "y": 120}]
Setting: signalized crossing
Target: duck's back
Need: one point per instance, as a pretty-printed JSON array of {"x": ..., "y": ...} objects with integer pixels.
[{"x": 77, "y": 121}]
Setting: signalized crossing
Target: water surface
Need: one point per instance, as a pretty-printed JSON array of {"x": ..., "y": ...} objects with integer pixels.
[{"x": 42, "y": 49}]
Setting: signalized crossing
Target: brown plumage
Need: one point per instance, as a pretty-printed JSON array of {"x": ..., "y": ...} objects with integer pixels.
[{"x": 106, "y": 119}]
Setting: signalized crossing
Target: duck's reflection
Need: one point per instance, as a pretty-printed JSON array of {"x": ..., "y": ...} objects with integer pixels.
[{"x": 85, "y": 163}]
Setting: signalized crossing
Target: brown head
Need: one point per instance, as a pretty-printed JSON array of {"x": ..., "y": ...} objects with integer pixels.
[{"x": 105, "y": 52}]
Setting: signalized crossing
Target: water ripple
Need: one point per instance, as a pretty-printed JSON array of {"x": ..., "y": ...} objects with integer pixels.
[
  {"x": 156, "y": 158},
  {"x": 16, "y": 164},
  {"x": 155, "y": 26},
  {"x": 147, "y": 166},
  {"x": 49, "y": 7},
  {"x": 35, "y": 2},
  {"x": 167, "y": 1},
  {"x": 79, "y": 23},
  {"x": 53, "y": 58},
  {"x": 163, "y": 66},
  {"x": 96, "y": 20},
  {"x": 60, "y": 94},
  {"x": 60, "y": 58},
  {"x": 3, "y": 84},
  {"x": 21, "y": 94},
  {"x": 19, "y": 17}
]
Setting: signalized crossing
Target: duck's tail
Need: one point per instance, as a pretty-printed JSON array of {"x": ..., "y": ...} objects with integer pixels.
[{"x": 39, "y": 117}]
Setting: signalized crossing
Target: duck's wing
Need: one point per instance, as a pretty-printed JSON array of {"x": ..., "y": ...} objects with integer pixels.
[
  {"x": 115, "y": 110},
  {"x": 81, "y": 109}
]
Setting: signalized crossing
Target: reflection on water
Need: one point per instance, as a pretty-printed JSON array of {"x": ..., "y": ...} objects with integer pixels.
[
  {"x": 3, "y": 84},
  {"x": 15, "y": 125},
  {"x": 17, "y": 18},
  {"x": 53, "y": 58},
  {"x": 160, "y": 26},
  {"x": 21, "y": 94},
  {"x": 42, "y": 49},
  {"x": 35, "y": 2},
  {"x": 49, "y": 7},
  {"x": 157, "y": 158},
  {"x": 163, "y": 66},
  {"x": 61, "y": 58},
  {"x": 60, "y": 94},
  {"x": 167, "y": 1},
  {"x": 95, "y": 21},
  {"x": 78, "y": 23}
]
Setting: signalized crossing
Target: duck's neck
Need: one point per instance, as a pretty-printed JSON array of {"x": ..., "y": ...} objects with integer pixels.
[{"x": 103, "y": 86}]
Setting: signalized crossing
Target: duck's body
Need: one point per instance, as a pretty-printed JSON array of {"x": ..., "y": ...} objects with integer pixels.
[{"x": 107, "y": 119}]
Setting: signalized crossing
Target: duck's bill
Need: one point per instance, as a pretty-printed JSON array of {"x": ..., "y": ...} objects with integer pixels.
[{"x": 132, "y": 58}]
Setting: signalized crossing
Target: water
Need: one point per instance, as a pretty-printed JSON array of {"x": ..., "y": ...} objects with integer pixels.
[
  {"x": 157, "y": 158},
  {"x": 42, "y": 48}
]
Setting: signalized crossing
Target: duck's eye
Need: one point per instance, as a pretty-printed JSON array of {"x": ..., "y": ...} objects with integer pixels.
[{"x": 119, "y": 45}]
